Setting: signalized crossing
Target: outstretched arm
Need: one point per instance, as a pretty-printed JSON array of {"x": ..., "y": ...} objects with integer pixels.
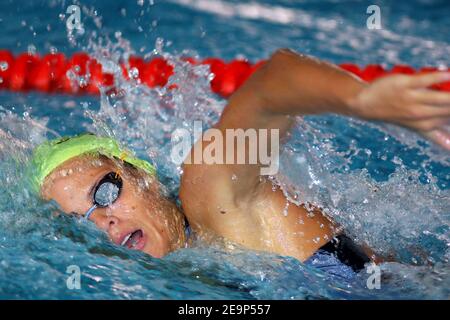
[
  {"x": 232, "y": 200},
  {"x": 290, "y": 84}
]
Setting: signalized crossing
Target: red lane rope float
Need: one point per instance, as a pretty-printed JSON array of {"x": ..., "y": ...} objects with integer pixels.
[{"x": 49, "y": 73}]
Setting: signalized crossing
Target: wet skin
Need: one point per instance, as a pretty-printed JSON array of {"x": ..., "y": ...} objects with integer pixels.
[{"x": 158, "y": 224}]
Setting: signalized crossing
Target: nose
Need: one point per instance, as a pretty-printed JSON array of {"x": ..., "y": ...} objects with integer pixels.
[{"x": 105, "y": 222}]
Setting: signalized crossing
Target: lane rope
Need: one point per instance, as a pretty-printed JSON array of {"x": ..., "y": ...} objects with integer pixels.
[{"x": 52, "y": 73}]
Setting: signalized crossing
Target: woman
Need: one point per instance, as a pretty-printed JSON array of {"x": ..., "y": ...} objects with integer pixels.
[{"x": 121, "y": 195}]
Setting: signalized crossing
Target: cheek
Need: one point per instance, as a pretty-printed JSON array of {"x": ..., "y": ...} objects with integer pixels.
[
  {"x": 140, "y": 211},
  {"x": 129, "y": 204}
]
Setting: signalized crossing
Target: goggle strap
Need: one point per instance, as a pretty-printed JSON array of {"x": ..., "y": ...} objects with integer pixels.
[{"x": 90, "y": 211}]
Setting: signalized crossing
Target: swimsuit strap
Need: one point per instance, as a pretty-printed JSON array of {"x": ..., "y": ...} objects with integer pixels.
[{"x": 347, "y": 251}]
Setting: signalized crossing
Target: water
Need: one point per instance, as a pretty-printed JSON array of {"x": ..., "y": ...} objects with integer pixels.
[{"x": 387, "y": 186}]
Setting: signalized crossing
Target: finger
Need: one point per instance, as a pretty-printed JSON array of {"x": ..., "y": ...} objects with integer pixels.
[
  {"x": 432, "y": 97},
  {"x": 428, "y": 79},
  {"x": 427, "y": 125},
  {"x": 421, "y": 112},
  {"x": 439, "y": 136},
  {"x": 432, "y": 111}
]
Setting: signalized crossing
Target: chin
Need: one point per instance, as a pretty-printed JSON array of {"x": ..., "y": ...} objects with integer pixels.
[{"x": 155, "y": 253}]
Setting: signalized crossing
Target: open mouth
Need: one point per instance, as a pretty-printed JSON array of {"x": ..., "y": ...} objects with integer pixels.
[{"x": 134, "y": 240}]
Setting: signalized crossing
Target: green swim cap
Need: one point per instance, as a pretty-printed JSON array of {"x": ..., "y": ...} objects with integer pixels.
[{"x": 51, "y": 154}]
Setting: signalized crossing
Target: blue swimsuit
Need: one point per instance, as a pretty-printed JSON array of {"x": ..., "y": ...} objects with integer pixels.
[{"x": 340, "y": 257}]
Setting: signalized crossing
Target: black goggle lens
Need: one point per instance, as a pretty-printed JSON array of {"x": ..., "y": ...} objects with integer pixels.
[{"x": 108, "y": 190}]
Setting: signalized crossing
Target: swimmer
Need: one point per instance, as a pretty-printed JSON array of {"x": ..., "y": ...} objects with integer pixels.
[{"x": 93, "y": 178}]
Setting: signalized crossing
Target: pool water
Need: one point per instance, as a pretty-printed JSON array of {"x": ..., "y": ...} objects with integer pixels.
[{"x": 388, "y": 187}]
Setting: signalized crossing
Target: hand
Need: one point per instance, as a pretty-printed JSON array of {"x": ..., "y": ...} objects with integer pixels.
[{"x": 408, "y": 101}]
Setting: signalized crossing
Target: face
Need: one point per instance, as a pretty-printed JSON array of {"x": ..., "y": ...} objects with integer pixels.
[{"x": 139, "y": 218}]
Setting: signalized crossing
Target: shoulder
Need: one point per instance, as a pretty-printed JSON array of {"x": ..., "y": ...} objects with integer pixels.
[{"x": 212, "y": 203}]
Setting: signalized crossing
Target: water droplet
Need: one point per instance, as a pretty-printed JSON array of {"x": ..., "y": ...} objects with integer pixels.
[
  {"x": 286, "y": 209},
  {"x": 82, "y": 82},
  {"x": 31, "y": 49},
  {"x": 133, "y": 73},
  {"x": 397, "y": 160},
  {"x": 159, "y": 45}
]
